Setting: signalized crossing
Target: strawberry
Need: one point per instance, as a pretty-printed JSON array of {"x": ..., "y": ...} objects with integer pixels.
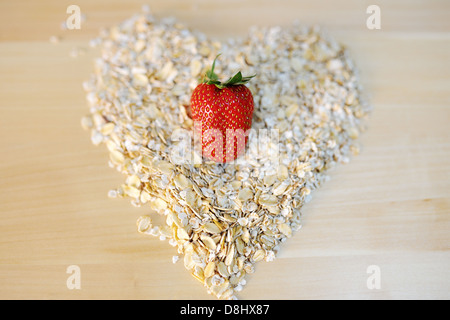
[{"x": 222, "y": 114}]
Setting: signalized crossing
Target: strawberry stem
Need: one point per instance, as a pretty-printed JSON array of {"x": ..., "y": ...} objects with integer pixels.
[{"x": 237, "y": 79}]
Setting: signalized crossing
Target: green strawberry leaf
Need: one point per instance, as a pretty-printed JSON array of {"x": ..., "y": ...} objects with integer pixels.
[
  {"x": 234, "y": 80},
  {"x": 237, "y": 79},
  {"x": 210, "y": 73}
]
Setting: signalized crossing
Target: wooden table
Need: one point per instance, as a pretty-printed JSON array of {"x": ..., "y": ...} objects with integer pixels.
[{"x": 388, "y": 208}]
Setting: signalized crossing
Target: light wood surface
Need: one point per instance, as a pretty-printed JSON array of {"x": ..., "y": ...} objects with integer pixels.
[{"x": 388, "y": 207}]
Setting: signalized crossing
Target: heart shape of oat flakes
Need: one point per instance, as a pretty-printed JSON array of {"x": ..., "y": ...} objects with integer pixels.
[{"x": 223, "y": 218}]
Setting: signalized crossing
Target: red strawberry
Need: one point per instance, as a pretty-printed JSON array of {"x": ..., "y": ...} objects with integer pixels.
[{"x": 223, "y": 115}]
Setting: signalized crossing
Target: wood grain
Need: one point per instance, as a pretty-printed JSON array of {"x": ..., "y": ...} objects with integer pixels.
[{"x": 388, "y": 207}]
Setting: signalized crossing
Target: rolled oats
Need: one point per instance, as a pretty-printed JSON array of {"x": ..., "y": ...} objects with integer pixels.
[{"x": 222, "y": 217}]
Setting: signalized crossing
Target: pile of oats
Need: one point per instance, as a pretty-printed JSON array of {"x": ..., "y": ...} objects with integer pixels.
[{"x": 222, "y": 218}]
